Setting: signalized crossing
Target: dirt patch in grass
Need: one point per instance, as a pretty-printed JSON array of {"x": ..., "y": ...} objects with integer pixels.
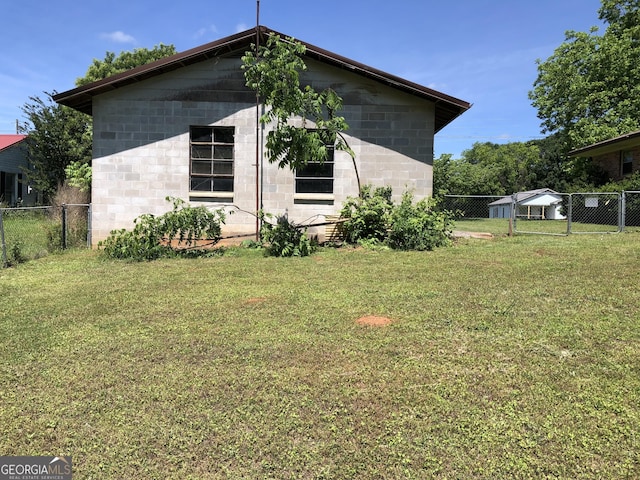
[{"x": 374, "y": 321}]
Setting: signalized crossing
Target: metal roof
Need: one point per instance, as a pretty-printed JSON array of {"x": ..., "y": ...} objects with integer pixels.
[
  {"x": 611, "y": 145},
  {"x": 523, "y": 196},
  {"x": 447, "y": 108},
  {"x": 7, "y": 141}
]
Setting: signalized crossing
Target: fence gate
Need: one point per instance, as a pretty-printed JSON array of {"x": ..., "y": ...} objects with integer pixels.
[{"x": 545, "y": 213}]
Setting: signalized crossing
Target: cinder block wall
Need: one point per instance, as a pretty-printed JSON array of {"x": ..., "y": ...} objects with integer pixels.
[{"x": 141, "y": 145}]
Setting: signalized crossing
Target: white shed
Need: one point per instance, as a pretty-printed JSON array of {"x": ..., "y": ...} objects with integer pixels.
[{"x": 541, "y": 204}]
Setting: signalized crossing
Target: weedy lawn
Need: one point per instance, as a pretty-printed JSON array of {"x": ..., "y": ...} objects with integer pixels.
[{"x": 511, "y": 358}]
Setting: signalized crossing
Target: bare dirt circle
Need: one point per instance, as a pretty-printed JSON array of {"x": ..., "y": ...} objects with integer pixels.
[{"x": 374, "y": 321}]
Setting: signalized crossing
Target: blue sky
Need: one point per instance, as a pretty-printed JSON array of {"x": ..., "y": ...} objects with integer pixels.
[{"x": 481, "y": 51}]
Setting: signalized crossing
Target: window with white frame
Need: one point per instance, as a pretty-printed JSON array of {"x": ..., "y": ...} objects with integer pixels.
[
  {"x": 212, "y": 154},
  {"x": 317, "y": 177}
]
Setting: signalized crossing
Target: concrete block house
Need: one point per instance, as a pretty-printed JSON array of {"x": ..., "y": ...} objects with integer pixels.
[
  {"x": 186, "y": 126},
  {"x": 618, "y": 157}
]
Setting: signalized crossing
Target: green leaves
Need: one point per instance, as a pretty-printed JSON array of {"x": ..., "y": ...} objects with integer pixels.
[
  {"x": 373, "y": 220},
  {"x": 284, "y": 238},
  {"x": 175, "y": 233},
  {"x": 112, "y": 65},
  {"x": 273, "y": 71},
  {"x": 588, "y": 88}
]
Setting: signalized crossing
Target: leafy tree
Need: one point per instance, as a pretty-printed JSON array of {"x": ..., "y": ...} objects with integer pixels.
[
  {"x": 273, "y": 71},
  {"x": 588, "y": 89},
  {"x": 112, "y": 64},
  {"x": 487, "y": 169},
  {"x": 59, "y": 138}
]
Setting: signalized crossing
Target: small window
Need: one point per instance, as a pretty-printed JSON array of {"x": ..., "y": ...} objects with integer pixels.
[
  {"x": 212, "y": 152},
  {"x": 627, "y": 162},
  {"x": 317, "y": 177}
]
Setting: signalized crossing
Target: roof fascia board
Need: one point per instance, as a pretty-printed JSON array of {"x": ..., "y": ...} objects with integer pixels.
[
  {"x": 80, "y": 98},
  {"x": 607, "y": 146}
]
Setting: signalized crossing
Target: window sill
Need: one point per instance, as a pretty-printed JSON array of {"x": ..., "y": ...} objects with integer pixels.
[
  {"x": 219, "y": 197},
  {"x": 314, "y": 198}
]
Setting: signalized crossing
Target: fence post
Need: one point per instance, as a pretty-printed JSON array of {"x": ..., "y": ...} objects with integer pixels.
[
  {"x": 4, "y": 245},
  {"x": 64, "y": 226},
  {"x": 623, "y": 211},
  {"x": 569, "y": 213},
  {"x": 89, "y": 212},
  {"x": 514, "y": 216}
]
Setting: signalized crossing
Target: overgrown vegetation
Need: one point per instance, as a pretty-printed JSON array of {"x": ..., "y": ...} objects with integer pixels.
[
  {"x": 373, "y": 219},
  {"x": 284, "y": 238},
  {"x": 72, "y": 202},
  {"x": 497, "y": 364},
  {"x": 183, "y": 231}
]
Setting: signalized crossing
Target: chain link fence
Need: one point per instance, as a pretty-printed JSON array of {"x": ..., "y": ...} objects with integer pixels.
[
  {"x": 631, "y": 211},
  {"x": 27, "y": 233},
  {"x": 545, "y": 212}
]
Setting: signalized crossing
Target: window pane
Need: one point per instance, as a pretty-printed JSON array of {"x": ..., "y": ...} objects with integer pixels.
[
  {"x": 201, "y": 184},
  {"x": 220, "y": 151},
  {"x": 201, "y": 134},
  {"x": 223, "y": 168},
  {"x": 314, "y": 185},
  {"x": 201, "y": 167},
  {"x": 201, "y": 151},
  {"x": 223, "y": 134},
  {"x": 223, "y": 185},
  {"x": 316, "y": 170}
]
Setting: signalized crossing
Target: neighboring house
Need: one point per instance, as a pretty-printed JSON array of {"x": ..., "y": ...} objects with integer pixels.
[
  {"x": 617, "y": 156},
  {"x": 541, "y": 204},
  {"x": 186, "y": 127},
  {"x": 13, "y": 161}
]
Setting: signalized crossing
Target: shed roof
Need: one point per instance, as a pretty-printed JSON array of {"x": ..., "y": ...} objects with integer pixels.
[
  {"x": 447, "y": 108},
  {"x": 7, "y": 141},
  {"x": 524, "y": 196},
  {"x": 622, "y": 142}
]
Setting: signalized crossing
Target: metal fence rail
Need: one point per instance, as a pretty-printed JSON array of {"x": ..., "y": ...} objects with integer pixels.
[
  {"x": 564, "y": 214},
  {"x": 31, "y": 232}
]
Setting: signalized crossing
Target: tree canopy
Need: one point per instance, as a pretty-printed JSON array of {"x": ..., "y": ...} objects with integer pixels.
[
  {"x": 112, "y": 64},
  {"x": 59, "y": 138},
  {"x": 589, "y": 89},
  {"x": 487, "y": 169}
]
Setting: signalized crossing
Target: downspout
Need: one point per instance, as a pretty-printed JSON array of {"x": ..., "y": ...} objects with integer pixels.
[{"x": 258, "y": 163}]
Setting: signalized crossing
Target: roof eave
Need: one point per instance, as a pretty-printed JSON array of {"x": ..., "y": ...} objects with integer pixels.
[
  {"x": 448, "y": 108},
  {"x": 607, "y": 146}
]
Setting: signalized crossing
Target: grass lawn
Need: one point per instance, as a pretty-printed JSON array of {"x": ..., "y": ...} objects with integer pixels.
[
  {"x": 511, "y": 358},
  {"x": 27, "y": 231}
]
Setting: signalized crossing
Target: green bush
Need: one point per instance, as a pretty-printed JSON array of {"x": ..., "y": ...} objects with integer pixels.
[
  {"x": 175, "y": 233},
  {"x": 285, "y": 239},
  {"x": 419, "y": 226},
  {"x": 368, "y": 215},
  {"x": 373, "y": 220}
]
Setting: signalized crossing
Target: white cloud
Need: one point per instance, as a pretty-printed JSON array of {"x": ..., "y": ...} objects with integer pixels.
[
  {"x": 118, "y": 37},
  {"x": 205, "y": 30},
  {"x": 241, "y": 27}
]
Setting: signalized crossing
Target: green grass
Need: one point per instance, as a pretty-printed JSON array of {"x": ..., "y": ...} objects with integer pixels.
[
  {"x": 510, "y": 358},
  {"x": 27, "y": 231},
  {"x": 500, "y": 226}
]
